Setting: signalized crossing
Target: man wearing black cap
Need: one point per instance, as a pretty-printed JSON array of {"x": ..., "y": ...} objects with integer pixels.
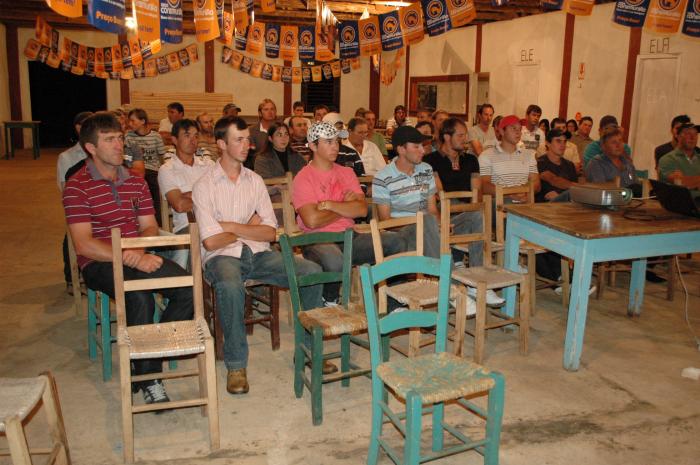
[
  {"x": 682, "y": 165},
  {"x": 557, "y": 174},
  {"x": 231, "y": 109},
  {"x": 607, "y": 123},
  {"x": 663, "y": 149}
]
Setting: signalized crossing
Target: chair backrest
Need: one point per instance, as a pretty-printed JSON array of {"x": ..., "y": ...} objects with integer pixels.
[
  {"x": 290, "y": 216},
  {"x": 194, "y": 280},
  {"x": 501, "y": 192},
  {"x": 448, "y": 207},
  {"x": 282, "y": 184},
  {"x": 166, "y": 223},
  {"x": 289, "y": 243},
  {"x": 412, "y": 318},
  {"x": 377, "y": 226}
]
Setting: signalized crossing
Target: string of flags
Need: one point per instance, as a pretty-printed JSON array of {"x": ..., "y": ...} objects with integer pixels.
[{"x": 127, "y": 60}]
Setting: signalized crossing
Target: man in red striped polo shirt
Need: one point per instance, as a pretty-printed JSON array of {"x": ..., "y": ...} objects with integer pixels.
[{"x": 103, "y": 195}]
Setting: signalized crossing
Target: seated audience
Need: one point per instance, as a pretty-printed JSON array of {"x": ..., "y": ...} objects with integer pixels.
[
  {"x": 533, "y": 136},
  {"x": 557, "y": 173},
  {"x": 607, "y": 122},
  {"x": 319, "y": 112},
  {"x": 278, "y": 157},
  {"x": 482, "y": 136},
  {"x": 231, "y": 109},
  {"x": 438, "y": 117},
  {"x": 572, "y": 126},
  {"x": 426, "y": 128},
  {"x": 613, "y": 162},
  {"x": 297, "y": 110},
  {"x": 298, "y": 128},
  {"x": 582, "y": 136},
  {"x": 571, "y": 151},
  {"x": 682, "y": 165},
  {"x": 400, "y": 119},
  {"x": 347, "y": 156},
  {"x": 206, "y": 135},
  {"x": 423, "y": 115},
  {"x": 663, "y": 149},
  {"x": 372, "y": 159},
  {"x": 374, "y": 136},
  {"x": 175, "y": 112},
  {"x": 267, "y": 115}
]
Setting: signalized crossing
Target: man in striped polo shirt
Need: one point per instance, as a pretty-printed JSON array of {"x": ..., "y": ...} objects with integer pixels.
[
  {"x": 507, "y": 164},
  {"x": 103, "y": 195}
]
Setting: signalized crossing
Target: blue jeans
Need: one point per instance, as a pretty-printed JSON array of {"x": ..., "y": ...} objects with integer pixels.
[
  {"x": 178, "y": 254},
  {"x": 227, "y": 275},
  {"x": 467, "y": 223}
]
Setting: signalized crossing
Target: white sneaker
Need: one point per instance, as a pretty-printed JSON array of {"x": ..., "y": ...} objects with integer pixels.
[
  {"x": 492, "y": 299},
  {"x": 591, "y": 290},
  {"x": 471, "y": 306}
]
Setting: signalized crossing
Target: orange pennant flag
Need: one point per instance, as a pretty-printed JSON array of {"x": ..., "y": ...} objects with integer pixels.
[
  {"x": 288, "y": 42},
  {"x": 296, "y": 75},
  {"x": 411, "y": 23},
  {"x": 206, "y": 22},
  {"x": 69, "y": 8},
  {"x": 665, "y": 16},
  {"x": 240, "y": 15},
  {"x": 370, "y": 41},
  {"x": 256, "y": 34},
  {"x": 256, "y": 69},
  {"x": 316, "y": 74},
  {"x": 136, "y": 57},
  {"x": 579, "y": 7},
  {"x": 461, "y": 12},
  {"x": 267, "y": 6},
  {"x": 117, "y": 58},
  {"x": 228, "y": 29},
  {"x": 323, "y": 50},
  {"x": 148, "y": 19}
]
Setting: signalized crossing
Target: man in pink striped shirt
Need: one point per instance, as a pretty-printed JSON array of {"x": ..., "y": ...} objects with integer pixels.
[{"x": 237, "y": 223}]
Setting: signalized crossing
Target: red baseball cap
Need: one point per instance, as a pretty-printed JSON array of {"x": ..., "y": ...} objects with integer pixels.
[{"x": 508, "y": 121}]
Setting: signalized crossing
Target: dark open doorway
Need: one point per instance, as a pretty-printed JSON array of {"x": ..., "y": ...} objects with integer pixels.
[
  {"x": 57, "y": 96},
  {"x": 325, "y": 92}
]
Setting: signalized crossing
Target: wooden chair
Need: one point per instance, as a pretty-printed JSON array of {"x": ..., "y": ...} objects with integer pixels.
[
  {"x": 166, "y": 217},
  {"x": 527, "y": 249},
  {"x": 75, "y": 277},
  {"x": 483, "y": 278},
  {"x": 172, "y": 339},
  {"x": 317, "y": 324},
  {"x": 445, "y": 238},
  {"x": 418, "y": 293},
  {"x": 434, "y": 379},
  {"x": 19, "y": 397}
]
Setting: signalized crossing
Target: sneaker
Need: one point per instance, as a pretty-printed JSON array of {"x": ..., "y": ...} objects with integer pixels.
[
  {"x": 330, "y": 303},
  {"x": 591, "y": 290},
  {"x": 459, "y": 264},
  {"x": 471, "y": 306},
  {"x": 492, "y": 299},
  {"x": 154, "y": 393}
]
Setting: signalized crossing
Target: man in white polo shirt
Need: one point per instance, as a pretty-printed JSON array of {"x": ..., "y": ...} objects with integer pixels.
[{"x": 370, "y": 154}]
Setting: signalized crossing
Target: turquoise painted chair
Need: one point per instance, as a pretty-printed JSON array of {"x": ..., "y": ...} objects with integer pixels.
[
  {"x": 428, "y": 379},
  {"x": 311, "y": 326}
]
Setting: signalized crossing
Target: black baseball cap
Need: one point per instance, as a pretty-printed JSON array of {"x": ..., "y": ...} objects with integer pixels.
[
  {"x": 552, "y": 133},
  {"x": 405, "y": 134},
  {"x": 688, "y": 125}
]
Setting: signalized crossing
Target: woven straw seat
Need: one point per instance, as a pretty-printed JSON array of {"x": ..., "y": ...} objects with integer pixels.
[
  {"x": 19, "y": 396},
  {"x": 435, "y": 377},
  {"x": 173, "y": 339},
  {"x": 494, "y": 276},
  {"x": 335, "y": 320},
  {"x": 420, "y": 292}
]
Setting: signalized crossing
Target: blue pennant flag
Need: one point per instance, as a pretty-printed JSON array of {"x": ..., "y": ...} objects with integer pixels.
[
  {"x": 390, "y": 31},
  {"x": 107, "y": 15},
  {"x": 349, "y": 39}
]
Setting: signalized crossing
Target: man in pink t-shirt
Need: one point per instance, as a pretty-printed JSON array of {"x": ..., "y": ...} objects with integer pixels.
[{"x": 328, "y": 198}]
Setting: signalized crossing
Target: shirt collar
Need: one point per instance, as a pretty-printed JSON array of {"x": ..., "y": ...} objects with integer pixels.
[
  {"x": 122, "y": 173},
  {"x": 518, "y": 149},
  {"x": 220, "y": 174}
]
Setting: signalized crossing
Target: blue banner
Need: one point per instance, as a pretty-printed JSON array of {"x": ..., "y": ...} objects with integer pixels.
[
  {"x": 349, "y": 40},
  {"x": 552, "y": 4},
  {"x": 307, "y": 40},
  {"x": 390, "y": 31},
  {"x": 691, "y": 22},
  {"x": 631, "y": 12},
  {"x": 437, "y": 18},
  {"x": 240, "y": 40},
  {"x": 171, "y": 21},
  {"x": 272, "y": 40},
  {"x": 107, "y": 15}
]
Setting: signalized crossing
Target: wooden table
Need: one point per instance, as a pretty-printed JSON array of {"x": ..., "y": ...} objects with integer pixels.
[
  {"x": 590, "y": 235},
  {"x": 33, "y": 125}
]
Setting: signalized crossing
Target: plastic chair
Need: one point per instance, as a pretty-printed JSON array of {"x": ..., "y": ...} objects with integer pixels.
[
  {"x": 435, "y": 378},
  {"x": 314, "y": 324}
]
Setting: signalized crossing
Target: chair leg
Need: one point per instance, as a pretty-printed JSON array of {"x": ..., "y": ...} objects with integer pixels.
[
  {"x": 212, "y": 396},
  {"x": 494, "y": 420},
  {"x": 127, "y": 399},
  {"x": 376, "y": 433},
  {"x": 438, "y": 433},
  {"x": 524, "y": 332},
  {"x": 299, "y": 360},
  {"x": 317, "y": 376},
  {"x": 17, "y": 441},
  {"x": 480, "y": 329},
  {"x": 202, "y": 380},
  {"x": 92, "y": 325},
  {"x": 602, "y": 271},
  {"x": 460, "y": 322},
  {"x": 275, "y": 317},
  {"x": 532, "y": 278},
  {"x": 345, "y": 358},
  {"x": 414, "y": 415},
  {"x": 106, "y": 330},
  {"x": 54, "y": 417},
  {"x": 565, "y": 284}
]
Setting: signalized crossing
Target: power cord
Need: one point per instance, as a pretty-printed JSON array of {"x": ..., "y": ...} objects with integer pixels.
[
  {"x": 687, "y": 299},
  {"x": 634, "y": 212}
]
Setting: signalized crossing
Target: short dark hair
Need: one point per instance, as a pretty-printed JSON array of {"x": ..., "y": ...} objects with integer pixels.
[
  {"x": 320, "y": 107},
  {"x": 184, "y": 124},
  {"x": 449, "y": 126},
  {"x": 298, "y": 104},
  {"x": 354, "y": 122},
  {"x": 533, "y": 109},
  {"x": 399, "y": 107},
  {"x": 557, "y": 121},
  {"x": 610, "y": 133},
  {"x": 176, "y": 106},
  {"x": 82, "y": 116},
  {"x": 102, "y": 121},
  {"x": 572, "y": 121},
  {"x": 587, "y": 118},
  {"x": 293, "y": 117},
  {"x": 483, "y": 106},
  {"x": 139, "y": 113},
  {"x": 274, "y": 127},
  {"x": 222, "y": 125},
  {"x": 680, "y": 119},
  {"x": 426, "y": 123}
]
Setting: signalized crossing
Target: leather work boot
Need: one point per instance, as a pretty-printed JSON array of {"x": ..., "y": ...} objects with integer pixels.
[
  {"x": 328, "y": 367},
  {"x": 237, "y": 382}
]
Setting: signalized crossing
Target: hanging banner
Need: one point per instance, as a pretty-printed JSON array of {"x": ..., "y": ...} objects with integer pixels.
[
  {"x": 411, "y": 24},
  {"x": 220, "y": 17},
  {"x": 288, "y": 42},
  {"x": 116, "y": 58},
  {"x": 246, "y": 64},
  {"x": 345, "y": 66},
  {"x": 228, "y": 29},
  {"x": 171, "y": 21},
  {"x": 355, "y": 63},
  {"x": 256, "y": 68},
  {"x": 150, "y": 67},
  {"x": 31, "y": 50},
  {"x": 276, "y": 73},
  {"x": 287, "y": 74},
  {"x": 437, "y": 18},
  {"x": 552, "y": 5},
  {"x": 327, "y": 71},
  {"x": 136, "y": 57},
  {"x": 240, "y": 39},
  {"x": 55, "y": 41},
  {"x": 162, "y": 65},
  {"x": 267, "y": 6},
  {"x": 256, "y": 33},
  {"x": 226, "y": 54},
  {"x": 664, "y": 16},
  {"x": 461, "y": 12},
  {"x": 82, "y": 56},
  {"x": 307, "y": 50},
  {"x": 296, "y": 75},
  {"x": 126, "y": 56},
  {"x": 107, "y": 15},
  {"x": 316, "y": 75},
  {"x": 192, "y": 53},
  {"x": 391, "y": 35},
  {"x": 306, "y": 74},
  {"x": 349, "y": 39},
  {"x": 99, "y": 60},
  {"x": 206, "y": 23},
  {"x": 69, "y": 8},
  {"x": 370, "y": 41},
  {"x": 148, "y": 19},
  {"x": 691, "y": 24},
  {"x": 580, "y": 7},
  {"x": 324, "y": 46},
  {"x": 266, "y": 72},
  {"x": 335, "y": 69},
  {"x": 43, "y": 31},
  {"x": 272, "y": 40},
  {"x": 240, "y": 15},
  {"x": 236, "y": 60},
  {"x": 630, "y": 12}
]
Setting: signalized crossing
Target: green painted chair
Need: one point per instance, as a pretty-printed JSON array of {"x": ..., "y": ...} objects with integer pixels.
[
  {"x": 432, "y": 379},
  {"x": 311, "y": 326}
]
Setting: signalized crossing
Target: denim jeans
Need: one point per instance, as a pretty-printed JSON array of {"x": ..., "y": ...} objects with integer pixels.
[
  {"x": 178, "y": 254},
  {"x": 330, "y": 256},
  {"x": 228, "y": 274},
  {"x": 467, "y": 223},
  {"x": 140, "y": 305}
]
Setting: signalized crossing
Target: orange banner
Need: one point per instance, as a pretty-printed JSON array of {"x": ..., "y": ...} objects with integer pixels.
[
  {"x": 665, "y": 16},
  {"x": 370, "y": 41},
  {"x": 461, "y": 12},
  {"x": 150, "y": 67},
  {"x": 100, "y": 60},
  {"x": 236, "y": 59},
  {"x": 411, "y": 23},
  {"x": 323, "y": 51},
  {"x": 136, "y": 57},
  {"x": 240, "y": 15},
  {"x": 206, "y": 22},
  {"x": 579, "y": 7},
  {"x": 117, "y": 58},
  {"x": 335, "y": 68},
  {"x": 296, "y": 75},
  {"x": 256, "y": 35},
  {"x": 256, "y": 69},
  {"x": 316, "y": 74},
  {"x": 267, "y": 6},
  {"x": 288, "y": 42},
  {"x": 69, "y": 8},
  {"x": 276, "y": 73},
  {"x": 228, "y": 28},
  {"x": 148, "y": 19}
]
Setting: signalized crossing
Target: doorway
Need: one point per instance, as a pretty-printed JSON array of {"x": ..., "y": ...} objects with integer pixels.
[
  {"x": 655, "y": 94},
  {"x": 526, "y": 81},
  {"x": 324, "y": 92},
  {"x": 57, "y": 96}
]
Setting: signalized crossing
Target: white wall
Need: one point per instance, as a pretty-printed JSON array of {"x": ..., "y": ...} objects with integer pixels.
[
  {"x": 354, "y": 90},
  {"x": 393, "y": 94},
  {"x": 4, "y": 87}
]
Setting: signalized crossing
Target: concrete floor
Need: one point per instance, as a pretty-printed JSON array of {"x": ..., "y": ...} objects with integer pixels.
[{"x": 627, "y": 403}]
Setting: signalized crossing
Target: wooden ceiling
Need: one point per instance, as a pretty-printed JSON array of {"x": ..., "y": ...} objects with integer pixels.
[{"x": 23, "y": 12}]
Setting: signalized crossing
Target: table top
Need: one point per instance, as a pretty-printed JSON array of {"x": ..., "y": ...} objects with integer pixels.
[
  {"x": 22, "y": 122},
  {"x": 589, "y": 222}
]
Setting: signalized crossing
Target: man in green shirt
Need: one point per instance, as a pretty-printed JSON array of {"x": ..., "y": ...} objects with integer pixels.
[{"x": 682, "y": 165}]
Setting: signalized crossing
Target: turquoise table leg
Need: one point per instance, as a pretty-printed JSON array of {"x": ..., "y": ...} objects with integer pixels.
[
  {"x": 578, "y": 308},
  {"x": 511, "y": 263},
  {"x": 639, "y": 268}
]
